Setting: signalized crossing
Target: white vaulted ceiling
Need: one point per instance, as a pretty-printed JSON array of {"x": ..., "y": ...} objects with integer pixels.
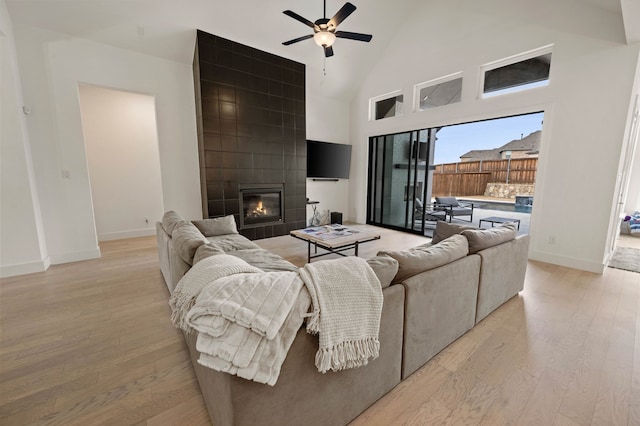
[{"x": 166, "y": 28}]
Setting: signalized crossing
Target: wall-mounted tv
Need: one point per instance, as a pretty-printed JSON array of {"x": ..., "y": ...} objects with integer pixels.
[{"x": 328, "y": 160}]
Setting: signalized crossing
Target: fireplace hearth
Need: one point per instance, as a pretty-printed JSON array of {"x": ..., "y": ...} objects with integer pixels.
[{"x": 261, "y": 205}]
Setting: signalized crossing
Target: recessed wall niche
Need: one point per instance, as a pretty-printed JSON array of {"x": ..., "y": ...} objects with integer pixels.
[{"x": 250, "y": 111}]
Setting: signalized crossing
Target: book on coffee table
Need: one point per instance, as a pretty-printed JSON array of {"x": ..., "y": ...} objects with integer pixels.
[{"x": 328, "y": 232}]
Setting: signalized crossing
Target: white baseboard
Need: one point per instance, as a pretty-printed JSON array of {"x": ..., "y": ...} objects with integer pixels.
[
  {"x": 144, "y": 232},
  {"x": 569, "y": 262},
  {"x": 75, "y": 256},
  {"x": 25, "y": 268}
]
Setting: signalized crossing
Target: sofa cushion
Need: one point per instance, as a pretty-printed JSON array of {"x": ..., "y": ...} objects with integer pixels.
[
  {"x": 385, "y": 268},
  {"x": 444, "y": 230},
  {"x": 264, "y": 260},
  {"x": 169, "y": 221},
  {"x": 186, "y": 240},
  {"x": 450, "y": 201},
  {"x": 423, "y": 258},
  {"x": 217, "y": 226},
  {"x": 231, "y": 242},
  {"x": 480, "y": 239},
  {"x": 206, "y": 250}
]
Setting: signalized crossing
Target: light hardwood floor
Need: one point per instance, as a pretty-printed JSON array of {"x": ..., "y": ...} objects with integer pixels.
[{"x": 91, "y": 343}]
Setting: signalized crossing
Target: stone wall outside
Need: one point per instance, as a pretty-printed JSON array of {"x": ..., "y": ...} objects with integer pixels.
[{"x": 508, "y": 190}]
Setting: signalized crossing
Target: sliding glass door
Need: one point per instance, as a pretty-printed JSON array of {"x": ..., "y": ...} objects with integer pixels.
[{"x": 399, "y": 184}]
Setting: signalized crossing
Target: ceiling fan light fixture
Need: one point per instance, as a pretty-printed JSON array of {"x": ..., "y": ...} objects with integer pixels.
[{"x": 324, "y": 38}]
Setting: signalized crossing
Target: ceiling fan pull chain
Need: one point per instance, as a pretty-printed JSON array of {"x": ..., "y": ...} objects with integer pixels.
[{"x": 324, "y": 66}]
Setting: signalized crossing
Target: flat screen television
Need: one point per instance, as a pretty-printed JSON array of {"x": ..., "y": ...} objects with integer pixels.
[{"x": 328, "y": 160}]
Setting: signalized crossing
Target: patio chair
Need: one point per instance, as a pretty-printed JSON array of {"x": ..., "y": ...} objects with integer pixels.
[
  {"x": 454, "y": 208},
  {"x": 431, "y": 213}
]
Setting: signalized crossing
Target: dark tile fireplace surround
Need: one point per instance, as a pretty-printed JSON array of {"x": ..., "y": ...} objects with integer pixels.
[{"x": 250, "y": 110}]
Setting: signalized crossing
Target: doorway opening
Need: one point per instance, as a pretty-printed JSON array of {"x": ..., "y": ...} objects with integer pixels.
[
  {"x": 487, "y": 165},
  {"x": 121, "y": 142}
]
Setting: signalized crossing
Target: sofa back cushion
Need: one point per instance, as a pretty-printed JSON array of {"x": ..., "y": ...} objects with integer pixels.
[
  {"x": 449, "y": 201},
  {"x": 169, "y": 221},
  {"x": 444, "y": 230},
  {"x": 385, "y": 268},
  {"x": 424, "y": 258},
  {"x": 480, "y": 239},
  {"x": 186, "y": 240},
  {"x": 217, "y": 226}
]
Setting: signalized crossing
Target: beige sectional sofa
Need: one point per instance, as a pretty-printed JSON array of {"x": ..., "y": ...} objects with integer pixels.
[{"x": 439, "y": 292}]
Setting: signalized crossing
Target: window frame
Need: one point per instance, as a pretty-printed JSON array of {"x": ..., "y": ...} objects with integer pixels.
[
  {"x": 433, "y": 82},
  {"x": 510, "y": 60},
  {"x": 373, "y": 101}
]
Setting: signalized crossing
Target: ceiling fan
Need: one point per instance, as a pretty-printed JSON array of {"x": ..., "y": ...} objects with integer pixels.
[{"x": 325, "y": 30}]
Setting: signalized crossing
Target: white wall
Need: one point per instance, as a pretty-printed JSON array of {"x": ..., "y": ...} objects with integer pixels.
[
  {"x": 22, "y": 245},
  {"x": 121, "y": 140},
  {"x": 52, "y": 66},
  {"x": 632, "y": 203},
  {"x": 586, "y": 105},
  {"x": 328, "y": 121},
  {"x": 633, "y": 195}
]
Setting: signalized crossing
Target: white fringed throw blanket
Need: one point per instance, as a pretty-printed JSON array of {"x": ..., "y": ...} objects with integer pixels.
[
  {"x": 346, "y": 299},
  {"x": 247, "y": 319},
  {"x": 247, "y": 354},
  {"x": 202, "y": 273}
]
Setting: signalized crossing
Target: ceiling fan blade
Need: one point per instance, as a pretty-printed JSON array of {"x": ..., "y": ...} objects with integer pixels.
[
  {"x": 300, "y": 18},
  {"x": 295, "y": 40},
  {"x": 328, "y": 51},
  {"x": 341, "y": 15},
  {"x": 354, "y": 36}
]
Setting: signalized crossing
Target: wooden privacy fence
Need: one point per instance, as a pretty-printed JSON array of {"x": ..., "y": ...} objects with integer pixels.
[{"x": 472, "y": 177}]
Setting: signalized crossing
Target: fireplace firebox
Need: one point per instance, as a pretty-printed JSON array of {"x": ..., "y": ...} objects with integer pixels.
[{"x": 261, "y": 205}]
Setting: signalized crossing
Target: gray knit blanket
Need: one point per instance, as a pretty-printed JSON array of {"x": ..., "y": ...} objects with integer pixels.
[{"x": 346, "y": 299}]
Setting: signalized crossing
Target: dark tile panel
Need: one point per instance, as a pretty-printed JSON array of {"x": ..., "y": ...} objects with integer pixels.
[
  {"x": 211, "y": 142},
  {"x": 213, "y": 174},
  {"x": 251, "y": 128},
  {"x": 213, "y": 159},
  {"x": 232, "y": 206},
  {"x": 228, "y": 143},
  {"x": 215, "y": 191},
  {"x": 216, "y": 208},
  {"x": 279, "y": 230},
  {"x": 249, "y": 233}
]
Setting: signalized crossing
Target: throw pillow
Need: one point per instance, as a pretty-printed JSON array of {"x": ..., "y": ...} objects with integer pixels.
[
  {"x": 169, "y": 221},
  {"x": 186, "y": 240},
  {"x": 444, "y": 230},
  {"x": 217, "y": 226},
  {"x": 206, "y": 250},
  {"x": 419, "y": 259},
  {"x": 385, "y": 268},
  {"x": 480, "y": 239}
]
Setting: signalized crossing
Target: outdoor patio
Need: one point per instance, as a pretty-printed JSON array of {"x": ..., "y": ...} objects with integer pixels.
[{"x": 483, "y": 213}]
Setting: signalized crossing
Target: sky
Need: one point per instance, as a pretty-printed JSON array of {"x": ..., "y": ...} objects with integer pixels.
[{"x": 453, "y": 141}]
